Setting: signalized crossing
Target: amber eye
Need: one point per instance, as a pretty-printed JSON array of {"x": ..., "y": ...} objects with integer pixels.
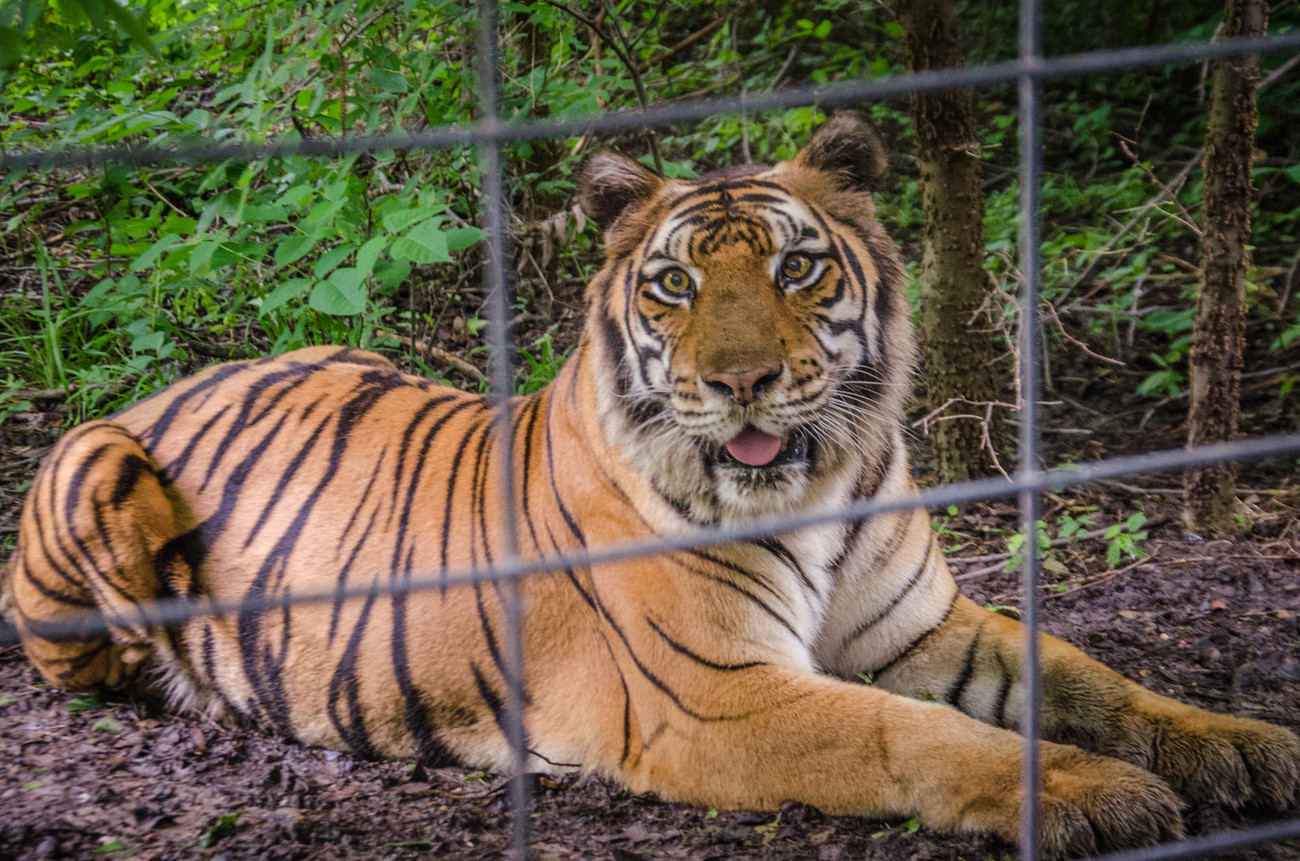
[
  {"x": 796, "y": 266},
  {"x": 675, "y": 281}
]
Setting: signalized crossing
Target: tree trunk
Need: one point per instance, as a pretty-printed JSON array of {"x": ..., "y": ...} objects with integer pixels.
[
  {"x": 956, "y": 332},
  {"x": 1214, "y": 370}
]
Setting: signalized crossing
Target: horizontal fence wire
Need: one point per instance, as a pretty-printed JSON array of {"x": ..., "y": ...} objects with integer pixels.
[
  {"x": 489, "y": 134},
  {"x": 175, "y": 610},
  {"x": 832, "y": 95}
]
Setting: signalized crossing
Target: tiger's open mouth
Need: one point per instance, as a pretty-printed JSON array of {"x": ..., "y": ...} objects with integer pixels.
[{"x": 757, "y": 450}]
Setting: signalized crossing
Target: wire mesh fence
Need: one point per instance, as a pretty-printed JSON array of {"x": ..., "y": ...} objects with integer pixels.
[{"x": 490, "y": 134}]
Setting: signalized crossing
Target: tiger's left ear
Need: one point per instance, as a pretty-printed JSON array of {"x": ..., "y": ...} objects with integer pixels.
[
  {"x": 848, "y": 146},
  {"x": 609, "y": 184}
]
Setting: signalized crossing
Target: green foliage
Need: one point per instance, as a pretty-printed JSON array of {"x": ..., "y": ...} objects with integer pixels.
[
  {"x": 86, "y": 702},
  {"x": 222, "y": 828},
  {"x": 130, "y": 276}
]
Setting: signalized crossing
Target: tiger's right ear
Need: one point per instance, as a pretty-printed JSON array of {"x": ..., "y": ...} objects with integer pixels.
[{"x": 610, "y": 183}]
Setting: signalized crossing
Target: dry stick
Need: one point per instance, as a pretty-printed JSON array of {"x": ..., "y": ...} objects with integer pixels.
[
  {"x": 617, "y": 46},
  {"x": 1100, "y": 578},
  {"x": 1130, "y": 224},
  {"x": 1051, "y": 312},
  {"x": 702, "y": 33},
  {"x": 436, "y": 353},
  {"x": 1187, "y": 219}
]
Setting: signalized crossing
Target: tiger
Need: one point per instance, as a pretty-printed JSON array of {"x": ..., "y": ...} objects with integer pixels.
[{"x": 747, "y": 351}]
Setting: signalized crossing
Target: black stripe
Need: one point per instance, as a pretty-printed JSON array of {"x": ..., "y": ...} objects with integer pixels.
[
  {"x": 129, "y": 472},
  {"x": 1004, "y": 691},
  {"x": 774, "y": 546},
  {"x": 911, "y": 584},
  {"x": 696, "y": 657},
  {"x": 177, "y": 466},
  {"x": 345, "y": 685},
  {"x": 959, "y": 684},
  {"x": 916, "y": 644},
  {"x": 345, "y": 571}
]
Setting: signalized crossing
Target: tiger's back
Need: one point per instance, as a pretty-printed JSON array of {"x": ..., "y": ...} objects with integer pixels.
[{"x": 316, "y": 472}]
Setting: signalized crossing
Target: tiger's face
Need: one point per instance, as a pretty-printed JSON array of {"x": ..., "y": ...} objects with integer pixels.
[{"x": 752, "y": 326}]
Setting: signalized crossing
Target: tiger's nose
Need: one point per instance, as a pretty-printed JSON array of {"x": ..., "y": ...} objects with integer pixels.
[{"x": 743, "y": 387}]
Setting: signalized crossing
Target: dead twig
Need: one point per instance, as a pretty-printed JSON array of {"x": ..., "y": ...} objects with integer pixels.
[
  {"x": 1186, "y": 217},
  {"x": 703, "y": 33},
  {"x": 436, "y": 353}
]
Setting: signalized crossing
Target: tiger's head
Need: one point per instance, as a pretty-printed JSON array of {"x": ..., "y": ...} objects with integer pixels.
[{"x": 751, "y": 335}]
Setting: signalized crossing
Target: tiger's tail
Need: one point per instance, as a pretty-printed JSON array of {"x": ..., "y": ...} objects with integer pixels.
[{"x": 101, "y": 531}]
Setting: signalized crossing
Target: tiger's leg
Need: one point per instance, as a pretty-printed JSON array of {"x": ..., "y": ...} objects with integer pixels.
[
  {"x": 100, "y": 531},
  {"x": 972, "y": 660},
  {"x": 759, "y": 735}
]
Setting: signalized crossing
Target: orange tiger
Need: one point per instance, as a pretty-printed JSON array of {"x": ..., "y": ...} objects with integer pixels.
[{"x": 747, "y": 351}]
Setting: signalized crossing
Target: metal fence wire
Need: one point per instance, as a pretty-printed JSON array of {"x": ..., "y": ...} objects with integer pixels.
[{"x": 490, "y": 134}]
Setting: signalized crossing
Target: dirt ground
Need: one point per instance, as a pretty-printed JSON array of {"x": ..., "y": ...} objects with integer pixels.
[{"x": 1212, "y": 623}]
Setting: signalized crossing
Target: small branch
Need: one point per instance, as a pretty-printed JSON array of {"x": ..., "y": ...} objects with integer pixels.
[
  {"x": 703, "y": 33},
  {"x": 1187, "y": 219},
  {"x": 1130, "y": 224},
  {"x": 436, "y": 353},
  {"x": 618, "y": 44},
  {"x": 1051, "y": 312}
]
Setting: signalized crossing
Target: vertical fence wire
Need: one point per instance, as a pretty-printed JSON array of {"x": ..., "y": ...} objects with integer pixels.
[
  {"x": 495, "y": 209},
  {"x": 1031, "y": 500}
]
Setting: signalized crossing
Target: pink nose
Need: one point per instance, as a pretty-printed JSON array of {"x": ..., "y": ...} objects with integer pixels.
[{"x": 743, "y": 387}]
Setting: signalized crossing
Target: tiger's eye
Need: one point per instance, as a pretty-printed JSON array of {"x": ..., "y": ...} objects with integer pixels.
[
  {"x": 796, "y": 266},
  {"x": 675, "y": 281}
]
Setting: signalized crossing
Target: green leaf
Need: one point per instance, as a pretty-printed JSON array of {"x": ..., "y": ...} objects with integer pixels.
[
  {"x": 424, "y": 243},
  {"x": 823, "y": 29},
  {"x": 459, "y": 238},
  {"x": 153, "y": 252},
  {"x": 149, "y": 342},
  {"x": 1134, "y": 523},
  {"x": 261, "y": 213},
  {"x": 399, "y": 220},
  {"x": 290, "y": 289},
  {"x": 387, "y": 81},
  {"x": 293, "y": 248},
  {"x": 330, "y": 260},
  {"x": 106, "y": 724},
  {"x": 367, "y": 254},
  {"x": 128, "y": 22},
  {"x": 86, "y": 702},
  {"x": 343, "y": 294}
]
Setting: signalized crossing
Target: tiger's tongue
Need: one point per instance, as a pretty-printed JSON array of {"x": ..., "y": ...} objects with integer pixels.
[{"x": 753, "y": 447}]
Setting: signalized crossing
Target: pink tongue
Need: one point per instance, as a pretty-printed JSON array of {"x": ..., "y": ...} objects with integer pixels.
[{"x": 753, "y": 447}]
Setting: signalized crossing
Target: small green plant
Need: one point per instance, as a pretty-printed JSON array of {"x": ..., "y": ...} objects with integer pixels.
[
  {"x": 106, "y": 724},
  {"x": 540, "y": 365},
  {"x": 86, "y": 702},
  {"x": 911, "y": 826},
  {"x": 1016, "y": 545},
  {"x": 1122, "y": 539},
  {"x": 222, "y": 828}
]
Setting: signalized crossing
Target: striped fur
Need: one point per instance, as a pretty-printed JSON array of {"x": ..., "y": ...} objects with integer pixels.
[{"x": 724, "y": 676}]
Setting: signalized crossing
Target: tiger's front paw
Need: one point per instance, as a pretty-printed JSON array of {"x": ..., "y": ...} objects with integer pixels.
[
  {"x": 1222, "y": 759},
  {"x": 1092, "y": 803}
]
